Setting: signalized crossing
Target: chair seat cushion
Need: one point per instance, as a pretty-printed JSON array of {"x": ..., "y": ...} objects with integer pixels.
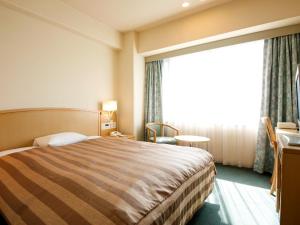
[{"x": 164, "y": 140}]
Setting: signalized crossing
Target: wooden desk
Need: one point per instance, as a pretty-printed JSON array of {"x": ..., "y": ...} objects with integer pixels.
[
  {"x": 286, "y": 131},
  {"x": 288, "y": 183}
]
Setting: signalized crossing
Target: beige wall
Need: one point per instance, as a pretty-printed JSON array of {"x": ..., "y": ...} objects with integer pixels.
[
  {"x": 124, "y": 85},
  {"x": 139, "y": 91},
  {"x": 45, "y": 65},
  {"x": 130, "y": 86},
  {"x": 65, "y": 16},
  {"x": 227, "y": 42},
  {"x": 232, "y": 19},
  {"x": 55, "y": 56}
]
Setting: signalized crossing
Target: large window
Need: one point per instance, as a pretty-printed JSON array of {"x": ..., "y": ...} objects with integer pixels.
[{"x": 216, "y": 93}]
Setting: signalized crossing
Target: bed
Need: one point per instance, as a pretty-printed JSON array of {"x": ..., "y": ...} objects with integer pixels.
[{"x": 103, "y": 180}]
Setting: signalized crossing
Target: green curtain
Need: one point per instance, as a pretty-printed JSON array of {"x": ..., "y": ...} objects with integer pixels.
[
  {"x": 281, "y": 56},
  {"x": 153, "y": 92}
]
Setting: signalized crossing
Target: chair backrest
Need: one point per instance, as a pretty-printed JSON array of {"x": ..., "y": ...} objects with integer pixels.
[
  {"x": 156, "y": 126},
  {"x": 269, "y": 129}
]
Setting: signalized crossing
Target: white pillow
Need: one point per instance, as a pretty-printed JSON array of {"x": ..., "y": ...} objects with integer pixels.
[{"x": 59, "y": 139}]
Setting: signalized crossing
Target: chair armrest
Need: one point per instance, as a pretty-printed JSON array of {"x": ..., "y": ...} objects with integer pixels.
[
  {"x": 173, "y": 128},
  {"x": 148, "y": 134}
]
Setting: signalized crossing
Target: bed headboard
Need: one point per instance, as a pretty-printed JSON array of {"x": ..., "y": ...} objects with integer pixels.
[{"x": 18, "y": 128}]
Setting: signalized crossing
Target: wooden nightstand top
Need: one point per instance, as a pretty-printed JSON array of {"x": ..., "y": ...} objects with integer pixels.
[{"x": 128, "y": 136}]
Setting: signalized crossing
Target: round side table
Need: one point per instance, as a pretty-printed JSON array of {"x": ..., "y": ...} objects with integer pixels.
[{"x": 190, "y": 139}]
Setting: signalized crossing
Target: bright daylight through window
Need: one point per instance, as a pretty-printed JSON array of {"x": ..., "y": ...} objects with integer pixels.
[{"x": 217, "y": 93}]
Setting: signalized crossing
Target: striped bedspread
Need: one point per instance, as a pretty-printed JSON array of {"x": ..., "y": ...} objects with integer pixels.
[{"x": 106, "y": 181}]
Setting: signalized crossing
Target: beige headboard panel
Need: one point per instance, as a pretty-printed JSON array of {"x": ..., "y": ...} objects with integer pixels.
[{"x": 18, "y": 128}]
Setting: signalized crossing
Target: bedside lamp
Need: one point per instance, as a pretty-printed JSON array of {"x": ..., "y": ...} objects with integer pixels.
[{"x": 110, "y": 107}]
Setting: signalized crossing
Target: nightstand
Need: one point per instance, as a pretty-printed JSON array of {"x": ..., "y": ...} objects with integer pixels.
[{"x": 128, "y": 136}]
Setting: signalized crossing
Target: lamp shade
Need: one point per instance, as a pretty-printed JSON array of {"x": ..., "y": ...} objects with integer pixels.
[{"x": 109, "y": 106}]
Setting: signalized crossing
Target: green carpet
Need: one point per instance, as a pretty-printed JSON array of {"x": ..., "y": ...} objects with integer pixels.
[{"x": 240, "y": 197}]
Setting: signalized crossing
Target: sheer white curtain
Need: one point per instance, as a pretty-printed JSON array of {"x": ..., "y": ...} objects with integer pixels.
[{"x": 217, "y": 93}]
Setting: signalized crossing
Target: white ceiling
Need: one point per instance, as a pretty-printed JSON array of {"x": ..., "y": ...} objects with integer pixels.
[{"x": 125, "y": 15}]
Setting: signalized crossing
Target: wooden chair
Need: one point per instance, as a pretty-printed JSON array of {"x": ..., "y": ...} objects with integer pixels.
[
  {"x": 157, "y": 131},
  {"x": 273, "y": 142}
]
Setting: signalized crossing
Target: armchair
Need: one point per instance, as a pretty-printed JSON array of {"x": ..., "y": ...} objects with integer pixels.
[{"x": 155, "y": 133}]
